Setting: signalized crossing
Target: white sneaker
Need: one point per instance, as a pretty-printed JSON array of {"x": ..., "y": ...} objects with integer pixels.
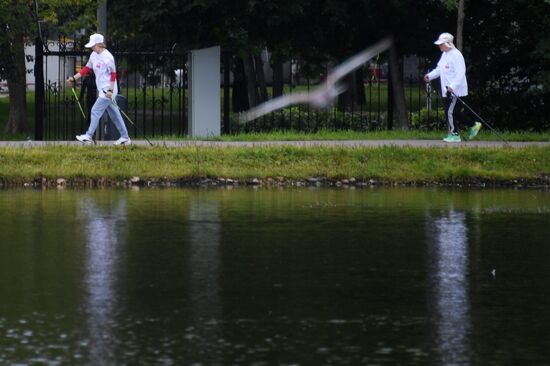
[
  {"x": 123, "y": 141},
  {"x": 84, "y": 138}
]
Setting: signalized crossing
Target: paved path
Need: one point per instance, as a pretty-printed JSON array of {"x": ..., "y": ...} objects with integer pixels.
[{"x": 334, "y": 143}]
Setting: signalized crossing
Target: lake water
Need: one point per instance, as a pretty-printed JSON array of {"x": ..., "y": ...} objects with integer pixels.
[{"x": 274, "y": 277}]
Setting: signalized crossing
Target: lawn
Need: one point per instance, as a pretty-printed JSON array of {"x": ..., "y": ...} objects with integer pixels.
[{"x": 388, "y": 164}]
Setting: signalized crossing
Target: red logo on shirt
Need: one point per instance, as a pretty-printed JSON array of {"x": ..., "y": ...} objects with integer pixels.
[{"x": 98, "y": 66}]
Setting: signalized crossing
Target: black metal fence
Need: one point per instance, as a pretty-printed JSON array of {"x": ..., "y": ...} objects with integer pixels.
[
  {"x": 424, "y": 111},
  {"x": 155, "y": 85}
]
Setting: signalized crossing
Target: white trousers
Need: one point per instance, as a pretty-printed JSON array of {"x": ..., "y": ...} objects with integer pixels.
[{"x": 100, "y": 106}]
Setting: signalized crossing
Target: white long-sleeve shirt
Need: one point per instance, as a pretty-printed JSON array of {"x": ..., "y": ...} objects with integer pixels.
[{"x": 451, "y": 69}]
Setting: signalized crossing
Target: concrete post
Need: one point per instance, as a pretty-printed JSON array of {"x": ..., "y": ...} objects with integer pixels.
[{"x": 204, "y": 92}]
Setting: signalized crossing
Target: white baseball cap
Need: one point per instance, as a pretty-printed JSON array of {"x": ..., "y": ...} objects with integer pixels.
[
  {"x": 446, "y": 39},
  {"x": 94, "y": 39}
]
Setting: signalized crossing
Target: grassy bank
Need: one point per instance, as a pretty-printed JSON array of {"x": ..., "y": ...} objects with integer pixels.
[
  {"x": 484, "y": 135},
  {"x": 106, "y": 165}
]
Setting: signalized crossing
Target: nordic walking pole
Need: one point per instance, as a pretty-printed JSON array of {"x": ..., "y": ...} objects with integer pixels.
[
  {"x": 79, "y": 105},
  {"x": 479, "y": 117},
  {"x": 130, "y": 120}
]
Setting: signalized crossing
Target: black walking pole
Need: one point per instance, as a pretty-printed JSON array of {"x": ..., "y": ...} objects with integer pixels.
[{"x": 479, "y": 117}]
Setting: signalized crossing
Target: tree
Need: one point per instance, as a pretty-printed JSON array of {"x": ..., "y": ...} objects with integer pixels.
[
  {"x": 312, "y": 31},
  {"x": 459, "y": 6},
  {"x": 18, "y": 21},
  {"x": 509, "y": 57},
  {"x": 460, "y": 24},
  {"x": 12, "y": 62},
  {"x": 506, "y": 46},
  {"x": 411, "y": 27}
]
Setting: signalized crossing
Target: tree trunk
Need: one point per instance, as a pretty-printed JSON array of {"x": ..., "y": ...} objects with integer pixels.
[
  {"x": 239, "y": 95},
  {"x": 360, "y": 96},
  {"x": 17, "y": 85},
  {"x": 250, "y": 80},
  {"x": 460, "y": 24},
  {"x": 260, "y": 77},
  {"x": 396, "y": 76},
  {"x": 345, "y": 100},
  {"x": 354, "y": 96},
  {"x": 278, "y": 81}
]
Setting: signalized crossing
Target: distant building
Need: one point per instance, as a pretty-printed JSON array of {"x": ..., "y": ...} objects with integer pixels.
[{"x": 56, "y": 71}]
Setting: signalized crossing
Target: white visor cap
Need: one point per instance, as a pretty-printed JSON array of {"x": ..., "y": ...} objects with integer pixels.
[
  {"x": 446, "y": 39},
  {"x": 94, "y": 39}
]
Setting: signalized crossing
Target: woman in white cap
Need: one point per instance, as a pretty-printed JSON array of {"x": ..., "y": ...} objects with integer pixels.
[
  {"x": 102, "y": 63},
  {"x": 451, "y": 70}
]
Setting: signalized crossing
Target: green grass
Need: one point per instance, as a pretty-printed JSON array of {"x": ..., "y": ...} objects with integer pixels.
[
  {"x": 387, "y": 164},
  {"x": 286, "y": 135},
  {"x": 4, "y": 110}
]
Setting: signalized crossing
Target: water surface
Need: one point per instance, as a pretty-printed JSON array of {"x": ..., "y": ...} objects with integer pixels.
[{"x": 274, "y": 277}]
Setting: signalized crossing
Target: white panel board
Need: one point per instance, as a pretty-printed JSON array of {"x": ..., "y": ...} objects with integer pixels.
[{"x": 204, "y": 92}]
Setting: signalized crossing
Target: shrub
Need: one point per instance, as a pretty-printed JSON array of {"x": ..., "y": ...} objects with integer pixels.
[{"x": 428, "y": 120}]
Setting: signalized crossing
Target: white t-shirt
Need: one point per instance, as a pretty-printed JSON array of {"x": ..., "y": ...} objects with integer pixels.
[
  {"x": 103, "y": 64},
  {"x": 451, "y": 69}
]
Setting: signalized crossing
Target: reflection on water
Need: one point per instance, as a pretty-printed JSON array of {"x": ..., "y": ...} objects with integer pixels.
[
  {"x": 303, "y": 277},
  {"x": 104, "y": 234},
  {"x": 204, "y": 242},
  {"x": 450, "y": 271}
]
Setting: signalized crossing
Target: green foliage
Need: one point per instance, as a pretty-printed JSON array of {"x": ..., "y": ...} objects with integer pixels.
[
  {"x": 14, "y": 23},
  {"x": 428, "y": 119},
  {"x": 509, "y": 57},
  {"x": 18, "y": 22},
  {"x": 450, "y": 4}
]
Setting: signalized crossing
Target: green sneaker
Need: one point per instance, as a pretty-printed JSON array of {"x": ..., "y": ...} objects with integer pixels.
[
  {"x": 472, "y": 131},
  {"x": 452, "y": 137}
]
